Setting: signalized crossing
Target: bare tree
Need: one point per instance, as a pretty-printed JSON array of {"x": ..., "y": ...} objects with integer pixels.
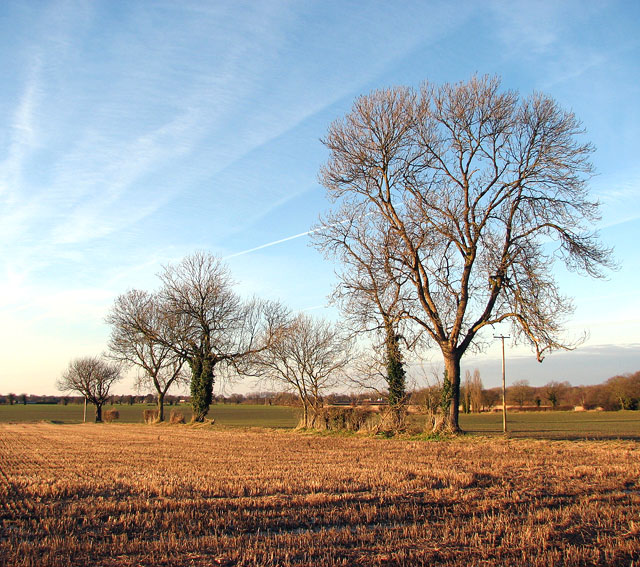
[
  {"x": 469, "y": 188},
  {"x": 491, "y": 397},
  {"x": 143, "y": 335},
  {"x": 520, "y": 391},
  {"x": 371, "y": 300},
  {"x": 379, "y": 369},
  {"x": 91, "y": 377},
  {"x": 307, "y": 357},
  {"x": 554, "y": 391},
  {"x": 471, "y": 392},
  {"x": 212, "y": 325},
  {"x": 475, "y": 391},
  {"x": 623, "y": 391}
]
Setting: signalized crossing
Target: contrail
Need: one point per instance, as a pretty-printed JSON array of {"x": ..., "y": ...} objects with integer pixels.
[
  {"x": 288, "y": 238},
  {"x": 272, "y": 243}
]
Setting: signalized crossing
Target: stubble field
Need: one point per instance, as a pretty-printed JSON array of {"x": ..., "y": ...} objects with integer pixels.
[{"x": 154, "y": 495}]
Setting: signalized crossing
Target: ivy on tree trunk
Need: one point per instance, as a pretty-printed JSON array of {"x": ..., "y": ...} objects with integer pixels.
[
  {"x": 201, "y": 387},
  {"x": 395, "y": 378}
]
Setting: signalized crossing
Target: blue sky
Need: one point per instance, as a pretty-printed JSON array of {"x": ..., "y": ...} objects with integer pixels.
[{"x": 134, "y": 133}]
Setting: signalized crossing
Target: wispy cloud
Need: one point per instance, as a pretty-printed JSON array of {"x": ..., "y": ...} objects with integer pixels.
[
  {"x": 525, "y": 27},
  {"x": 23, "y": 136},
  {"x": 619, "y": 195},
  {"x": 106, "y": 193}
]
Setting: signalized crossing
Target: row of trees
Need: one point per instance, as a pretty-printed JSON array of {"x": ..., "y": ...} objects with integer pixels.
[
  {"x": 620, "y": 392},
  {"x": 617, "y": 393},
  {"x": 195, "y": 326},
  {"x": 453, "y": 203},
  {"x": 113, "y": 399}
]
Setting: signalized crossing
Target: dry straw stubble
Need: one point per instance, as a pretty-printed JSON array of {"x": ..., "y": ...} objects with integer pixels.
[{"x": 145, "y": 496}]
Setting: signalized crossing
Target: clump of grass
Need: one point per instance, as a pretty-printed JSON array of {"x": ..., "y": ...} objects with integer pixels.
[
  {"x": 176, "y": 417},
  {"x": 151, "y": 416},
  {"x": 110, "y": 415}
]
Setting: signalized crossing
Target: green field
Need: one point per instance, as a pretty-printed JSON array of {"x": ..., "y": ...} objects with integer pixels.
[
  {"x": 229, "y": 415},
  {"x": 550, "y": 425},
  {"x": 557, "y": 424}
]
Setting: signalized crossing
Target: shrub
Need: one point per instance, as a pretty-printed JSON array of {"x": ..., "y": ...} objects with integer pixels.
[
  {"x": 346, "y": 419},
  {"x": 150, "y": 416},
  {"x": 110, "y": 415},
  {"x": 176, "y": 417}
]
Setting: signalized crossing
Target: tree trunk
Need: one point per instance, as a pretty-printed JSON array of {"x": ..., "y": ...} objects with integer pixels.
[
  {"x": 98, "y": 413},
  {"x": 201, "y": 387},
  {"x": 160, "y": 406},
  {"x": 449, "y": 422},
  {"x": 395, "y": 378}
]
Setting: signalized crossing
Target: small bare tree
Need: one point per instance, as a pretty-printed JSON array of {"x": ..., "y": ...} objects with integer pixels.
[
  {"x": 475, "y": 391},
  {"x": 555, "y": 390},
  {"x": 91, "y": 377},
  {"x": 307, "y": 357},
  {"x": 379, "y": 372},
  {"x": 464, "y": 190},
  {"x": 142, "y": 335},
  {"x": 520, "y": 391}
]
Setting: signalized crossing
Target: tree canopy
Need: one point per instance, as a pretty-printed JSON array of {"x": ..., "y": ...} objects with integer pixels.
[
  {"x": 462, "y": 197},
  {"x": 91, "y": 377},
  {"x": 142, "y": 334},
  {"x": 211, "y": 324}
]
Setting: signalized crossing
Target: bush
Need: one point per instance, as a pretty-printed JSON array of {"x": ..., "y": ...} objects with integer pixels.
[
  {"x": 346, "y": 419},
  {"x": 110, "y": 415},
  {"x": 176, "y": 417},
  {"x": 150, "y": 416}
]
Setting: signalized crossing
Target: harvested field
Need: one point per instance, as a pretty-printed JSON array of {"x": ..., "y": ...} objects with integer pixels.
[{"x": 135, "y": 495}]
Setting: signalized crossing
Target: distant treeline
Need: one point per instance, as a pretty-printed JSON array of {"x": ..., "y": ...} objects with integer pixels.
[
  {"x": 618, "y": 392},
  {"x": 266, "y": 398}
]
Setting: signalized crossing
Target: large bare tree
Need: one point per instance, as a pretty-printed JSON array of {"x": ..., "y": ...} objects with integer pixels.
[
  {"x": 143, "y": 334},
  {"x": 475, "y": 193},
  {"x": 307, "y": 357},
  {"x": 212, "y": 324},
  {"x": 91, "y": 377}
]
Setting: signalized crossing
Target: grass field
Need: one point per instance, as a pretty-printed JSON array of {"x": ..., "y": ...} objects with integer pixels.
[
  {"x": 558, "y": 425},
  {"x": 229, "y": 415},
  {"x": 135, "y": 495},
  {"x": 553, "y": 425}
]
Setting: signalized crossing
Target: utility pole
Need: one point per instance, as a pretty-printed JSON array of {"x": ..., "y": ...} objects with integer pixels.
[{"x": 504, "y": 387}]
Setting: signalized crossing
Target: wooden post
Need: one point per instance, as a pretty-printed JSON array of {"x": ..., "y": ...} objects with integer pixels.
[
  {"x": 504, "y": 387},
  {"x": 84, "y": 417}
]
